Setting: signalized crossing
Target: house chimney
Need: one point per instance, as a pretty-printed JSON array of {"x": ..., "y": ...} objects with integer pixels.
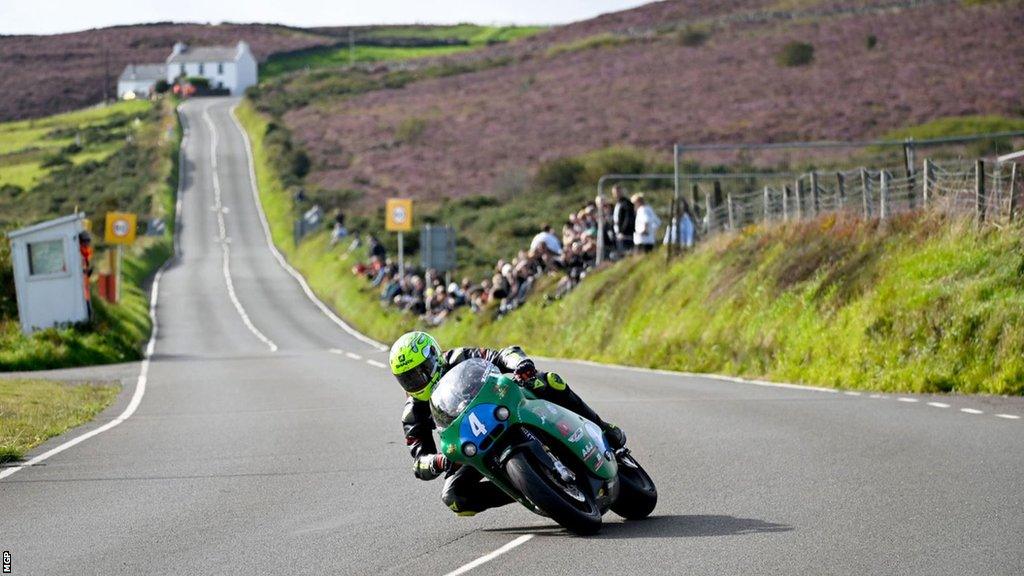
[{"x": 179, "y": 47}]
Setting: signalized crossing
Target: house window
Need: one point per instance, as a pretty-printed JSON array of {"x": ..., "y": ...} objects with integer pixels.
[
  {"x": 46, "y": 257},
  {"x": 220, "y": 67},
  {"x": 200, "y": 68}
]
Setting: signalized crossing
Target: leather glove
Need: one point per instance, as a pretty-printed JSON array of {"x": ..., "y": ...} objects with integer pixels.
[
  {"x": 431, "y": 466},
  {"x": 525, "y": 371}
]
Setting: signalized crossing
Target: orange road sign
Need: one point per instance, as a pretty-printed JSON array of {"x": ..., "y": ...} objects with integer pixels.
[{"x": 398, "y": 215}]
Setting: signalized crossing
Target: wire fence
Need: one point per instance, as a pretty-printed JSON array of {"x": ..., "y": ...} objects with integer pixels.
[{"x": 989, "y": 192}]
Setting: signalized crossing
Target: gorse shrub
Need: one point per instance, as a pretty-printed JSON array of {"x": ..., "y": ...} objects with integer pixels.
[
  {"x": 795, "y": 54},
  {"x": 871, "y": 41},
  {"x": 560, "y": 173},
  {"x": 691, "y": 37}
]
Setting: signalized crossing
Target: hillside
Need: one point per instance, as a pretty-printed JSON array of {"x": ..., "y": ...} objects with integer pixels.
[
  {"x": 467, "y": 124},
  {"x": 42, "y": 75}
]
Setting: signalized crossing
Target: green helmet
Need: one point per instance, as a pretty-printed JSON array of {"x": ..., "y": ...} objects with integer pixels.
[{"x": 417, "y": 363}]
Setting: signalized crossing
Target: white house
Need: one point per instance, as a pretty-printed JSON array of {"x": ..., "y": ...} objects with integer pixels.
[
  {"x": 138, "y": 80},
  {"x": 228, "y": 67}
]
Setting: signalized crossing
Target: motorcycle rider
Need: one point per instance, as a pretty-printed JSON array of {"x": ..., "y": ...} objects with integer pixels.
[{"x": 418, "y": 363}]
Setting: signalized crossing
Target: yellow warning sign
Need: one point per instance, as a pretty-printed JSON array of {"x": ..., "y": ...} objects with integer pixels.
[
  {"x": 120, "y": 228},
  {"x": 399, "y": 215}
]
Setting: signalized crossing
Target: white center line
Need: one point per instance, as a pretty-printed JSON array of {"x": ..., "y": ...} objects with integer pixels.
[
  {"x": 353, "y": 356},
  {"x": 336, "y": 351},
  {"x": 905, "y": 399},
  {"x": 971, "y": 411},
  {"x": 375, "y": 363},
  {"x": 1008, "y": 416},
  {"x": 488, "y": 557},
  {"x": 939, "y": 404},
  {"x": 222, "y": 226}
]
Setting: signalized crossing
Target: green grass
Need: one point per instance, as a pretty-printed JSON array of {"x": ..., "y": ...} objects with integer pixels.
[
  {"x": 142, "y": 178},
  {"x": 32, "y": 411},
  {"x": 603, "y": 40},
  {"x": 338, "y": 56},
  {"x": 957, "y": 126},
  {"x": 25, "y": 144}
]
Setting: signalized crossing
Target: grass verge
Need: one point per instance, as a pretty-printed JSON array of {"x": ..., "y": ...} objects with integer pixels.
[
  {"x": 32, "y": 411},
  {"x": 918, "y": 304}
]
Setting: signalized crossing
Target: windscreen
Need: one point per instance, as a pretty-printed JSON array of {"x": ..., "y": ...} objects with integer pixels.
[{"x": 457, "y": 389}]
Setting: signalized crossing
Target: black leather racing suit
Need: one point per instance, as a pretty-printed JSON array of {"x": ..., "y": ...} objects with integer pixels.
[{"x": 465, "y": 490}]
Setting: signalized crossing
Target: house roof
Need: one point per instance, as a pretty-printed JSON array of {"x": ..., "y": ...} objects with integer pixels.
[
  {"x": 205, "y": 54},
  {"x": 144, "y": 72}
]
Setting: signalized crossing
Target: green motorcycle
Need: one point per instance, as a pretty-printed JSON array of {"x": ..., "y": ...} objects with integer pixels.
[{"x": 551, "y": 460}]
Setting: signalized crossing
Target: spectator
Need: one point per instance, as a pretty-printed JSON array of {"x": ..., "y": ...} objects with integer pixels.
[
  {"x": 376, "y": 248},
  {"x": 547, "y": 239},
  {"x": 681, "y": 232},
  {"x": 646, "y": 225},
  {"x": 623, "y": 219},
  {"x": 339, "y": 232}
]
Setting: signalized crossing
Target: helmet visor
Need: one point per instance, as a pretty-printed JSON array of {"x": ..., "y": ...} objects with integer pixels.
[{"x": 418, "y": 378}]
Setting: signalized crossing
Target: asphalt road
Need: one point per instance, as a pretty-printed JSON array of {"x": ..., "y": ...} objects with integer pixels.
[{"x": 244, "y": 460}]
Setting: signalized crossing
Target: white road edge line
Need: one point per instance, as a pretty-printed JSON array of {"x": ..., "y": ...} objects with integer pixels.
[
  {"x": 694, "y": 375},
  {"x": 938, "y": 404},
  {"x": 1008, "y": 416},
  {"x": 971, "y": 411},
  {"x": 277, "y": 254},
  {"x": 382, "y": 365},
  {"x": 140, "y": 384},
  {"x": 491, "y": 556},
  {"x": 851, "y": 393},
  {"x": 224, "y": 237},
  {"x": 905, "y": 399}
]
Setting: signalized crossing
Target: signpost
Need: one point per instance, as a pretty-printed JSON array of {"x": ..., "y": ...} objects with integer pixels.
[
  {"x": 120, "y": 230},
  {"x": 398, "y": 218}
]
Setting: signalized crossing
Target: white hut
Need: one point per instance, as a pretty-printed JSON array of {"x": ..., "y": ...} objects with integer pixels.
[{"x": 48, "y": 273}]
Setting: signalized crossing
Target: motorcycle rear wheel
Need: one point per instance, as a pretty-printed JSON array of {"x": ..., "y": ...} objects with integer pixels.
[
  {"x": 571, "y": 505},
  {"x": 637, "y": 494}
]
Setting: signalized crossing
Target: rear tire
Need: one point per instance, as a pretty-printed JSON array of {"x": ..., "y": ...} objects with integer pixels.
[
  {"x": 538, "y": 484},
  {"x": 637, "y": 494}
]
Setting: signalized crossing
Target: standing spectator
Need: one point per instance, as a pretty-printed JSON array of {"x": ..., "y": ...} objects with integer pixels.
[
  {"x": 85, "y": 250},
  {"x": 548, "y": 239},
  {"x": 623, "y": 219},
  {"x": 682, "y": 231},
  {"x": 646, "y": 226}
]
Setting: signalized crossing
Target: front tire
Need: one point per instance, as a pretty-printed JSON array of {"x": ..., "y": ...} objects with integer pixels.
[
  {"x": 572, "y": 506},
  {"x": 637, "y": 494}
]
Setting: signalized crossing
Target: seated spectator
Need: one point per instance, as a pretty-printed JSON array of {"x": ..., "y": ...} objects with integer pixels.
[
  {"x": 338, "y": 232},
  {"x": 376, "y": 248},
  {"x": 548, "y": 239}
]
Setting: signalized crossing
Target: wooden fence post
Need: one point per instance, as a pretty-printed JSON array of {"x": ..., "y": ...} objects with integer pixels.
[
  {"x": 768, "y": 204},
  {"x": 732, "y": 211},
  {"x": 799, "y": 187},
  {"x": 866, "y": 190},
  {"x": 883, "y": 195},
  {"x": 841, "y": 190},
  {"x": 979, "y": 190},
  {"x": 785, "y": 203},
  {"x": 908, "y": 157},
  {"x": 1013, "y": 191},
  {"x": 715, "y": 200},
  {"x": 815, "y": 205},
  {"x": 926, "y": 184}
]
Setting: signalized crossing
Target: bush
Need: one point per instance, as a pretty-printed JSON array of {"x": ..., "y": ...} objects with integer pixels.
[
  {"x": 55, "y": 161},
  {"x": 871, "y": 41},
  {"x": 161, "y": 86},
  {"x": 691, "y": 37},
  {"x": 199, "y": 82},
  {"x": 795, "y": 54},
  {"x": 560, "y": 173}
]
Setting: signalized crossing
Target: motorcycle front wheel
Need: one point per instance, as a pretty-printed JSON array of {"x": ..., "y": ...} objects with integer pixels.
[{"x": 568, "y": 503}]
